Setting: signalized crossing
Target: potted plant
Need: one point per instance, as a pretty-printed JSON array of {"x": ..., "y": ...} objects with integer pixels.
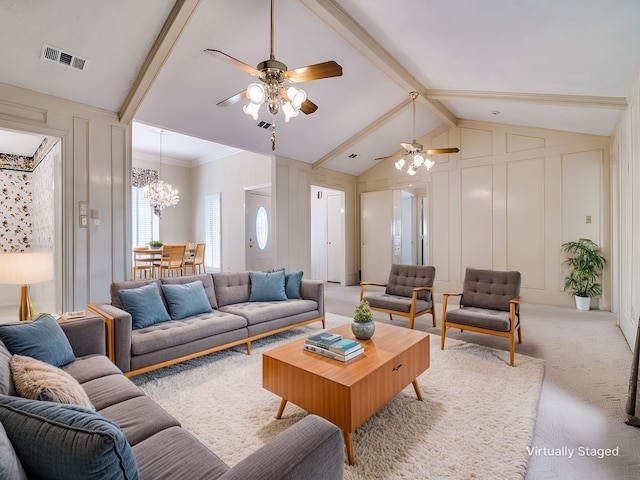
[
  {"x": 363, "y": 325},
  {"x": 585, "y": 263},
  {"x": 155, "y": 244}
]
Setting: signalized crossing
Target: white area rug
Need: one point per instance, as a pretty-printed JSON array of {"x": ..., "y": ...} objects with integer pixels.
[{"x": 476, "y": 420}]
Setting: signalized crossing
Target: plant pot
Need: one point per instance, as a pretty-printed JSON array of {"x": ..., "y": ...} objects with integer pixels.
[
  {"x": 583, "y": 303},
  {"x": 364, "y": 330}
]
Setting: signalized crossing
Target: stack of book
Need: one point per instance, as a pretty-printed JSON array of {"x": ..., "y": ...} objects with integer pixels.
[{"x": 333, "y": 346}]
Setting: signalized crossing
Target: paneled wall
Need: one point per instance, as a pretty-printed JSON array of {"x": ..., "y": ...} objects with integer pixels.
[
  {"x": 508, "y": 201},
  {"x": 96, "y": 160},
  {"x": 625, "y": 153}
]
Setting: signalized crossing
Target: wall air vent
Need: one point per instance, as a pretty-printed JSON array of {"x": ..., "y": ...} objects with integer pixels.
[{"x": 55, "y": 54}]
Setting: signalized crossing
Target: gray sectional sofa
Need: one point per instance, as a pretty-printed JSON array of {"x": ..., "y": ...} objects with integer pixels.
[
  {"x": 239, "y": 308},
  {"x": 128, "y": 436}
]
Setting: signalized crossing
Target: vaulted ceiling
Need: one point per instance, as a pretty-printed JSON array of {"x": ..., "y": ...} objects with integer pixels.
[{"x": 565, "y": 65}]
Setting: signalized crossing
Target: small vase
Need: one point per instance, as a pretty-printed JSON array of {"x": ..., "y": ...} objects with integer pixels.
[
  {"x": 363, "y": 331},
  {"x": 583, "y": 303}
]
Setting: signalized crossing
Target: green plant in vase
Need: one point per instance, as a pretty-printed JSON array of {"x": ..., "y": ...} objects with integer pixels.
[
  {"x": 155, "y": 244},
  {"x": 363, "y": 325},
  {"x": 585, "y": 266}
]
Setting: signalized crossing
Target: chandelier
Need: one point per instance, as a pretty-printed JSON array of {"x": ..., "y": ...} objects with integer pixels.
[{"x": 159, "y": 193}]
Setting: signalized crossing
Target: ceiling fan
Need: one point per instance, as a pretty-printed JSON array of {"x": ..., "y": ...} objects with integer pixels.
[
  {"x": 414, "y": 151},
  {"x": 274, "y": 87}
]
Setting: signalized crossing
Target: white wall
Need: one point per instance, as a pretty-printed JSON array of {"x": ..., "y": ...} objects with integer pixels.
[
  {"x": 230, "y": 176},
  {"x": 625, "y": 154},
  {"x": 508, "y": 200}
]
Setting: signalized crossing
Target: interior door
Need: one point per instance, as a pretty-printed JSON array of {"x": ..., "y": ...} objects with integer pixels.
[
  {"x": 376, "y": 234},
  {"x": 335, "y": 236},
  {"x": 259, "y": 248}
]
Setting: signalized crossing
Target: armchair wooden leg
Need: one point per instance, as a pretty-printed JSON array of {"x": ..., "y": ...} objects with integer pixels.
[
  {"x": 512, "y": 348},
  {"x": 444, "y": 333}
]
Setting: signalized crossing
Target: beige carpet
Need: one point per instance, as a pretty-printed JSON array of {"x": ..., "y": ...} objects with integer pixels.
[{"x": 476, "y": 420}]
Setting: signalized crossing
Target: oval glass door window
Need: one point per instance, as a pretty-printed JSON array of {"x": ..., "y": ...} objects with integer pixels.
[{"x": 262, "y": 228}]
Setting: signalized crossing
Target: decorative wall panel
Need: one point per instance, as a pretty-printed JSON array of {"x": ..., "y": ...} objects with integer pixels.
[
  {"x": 475, "y": 143},
  {"x": 520, "y": 143},
  {"x": 525, "y": 220},
  {"x": 476, "y": 205}
]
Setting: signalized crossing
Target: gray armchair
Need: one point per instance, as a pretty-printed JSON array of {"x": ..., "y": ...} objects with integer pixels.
[
  {"x": 489, "y": 303},
  {"x": 408, "y": 292}
]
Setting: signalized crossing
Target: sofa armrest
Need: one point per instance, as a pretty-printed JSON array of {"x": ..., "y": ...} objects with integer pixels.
[
  {"x": 313, "y": 290},
  {"x": 119, "y": 326},
  {"x": 312, "y": 448},
  {"x": 86, "y": 336}
]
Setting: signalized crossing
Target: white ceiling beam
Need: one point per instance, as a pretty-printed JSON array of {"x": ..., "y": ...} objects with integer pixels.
[
  {"x": 373, "y": 126},
  {"x": 345, "y": 26},
  {"x": 586, "y": 101},
  {"x": 171, "y": 31}
]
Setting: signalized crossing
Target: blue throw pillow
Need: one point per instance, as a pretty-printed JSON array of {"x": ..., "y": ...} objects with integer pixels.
[
  {"x": 144, "y": 304},
  {"x": 186, "y": 299},
  {"x": 58, "y": 441},
  {"x": 267, "y": 287},
  {"x": 42, "y": 339},
  {"x": 293, "y": 284}
]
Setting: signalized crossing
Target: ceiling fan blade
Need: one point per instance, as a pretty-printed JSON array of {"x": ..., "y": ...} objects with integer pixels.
[
  {"x": 391, "y": 156},
  {"x": 436, "y": 151},
  {"x": 233, "y": 99},
  {"x": 408, "y": 147},
  {"x": 232, "y": 61},
  {"x": 308, "y": 107},
  {"x": 314, "y": 72}
]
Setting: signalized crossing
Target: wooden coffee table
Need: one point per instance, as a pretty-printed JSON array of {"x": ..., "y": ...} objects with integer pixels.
[{"x": 347, "y": 393}]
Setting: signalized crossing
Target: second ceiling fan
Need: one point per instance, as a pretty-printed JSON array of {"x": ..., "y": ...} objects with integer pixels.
[{"x": 414, "y": 152}]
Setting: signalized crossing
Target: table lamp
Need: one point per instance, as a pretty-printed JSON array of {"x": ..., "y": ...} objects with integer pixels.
[{"x": 25, "y": 268}]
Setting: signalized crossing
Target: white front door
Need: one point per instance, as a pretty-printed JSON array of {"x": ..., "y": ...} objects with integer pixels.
[
  {"x": 258, "y": 244},
  {"x": 376, "y": 234}
]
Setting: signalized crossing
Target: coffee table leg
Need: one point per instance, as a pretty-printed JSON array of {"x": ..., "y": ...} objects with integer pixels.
[
  {"x": 283, "y": 403},
  {"x": 348, "y": 442},
  {"x": 416, "y": 387}
]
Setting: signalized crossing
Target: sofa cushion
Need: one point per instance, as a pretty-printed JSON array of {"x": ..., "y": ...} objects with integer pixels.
[
  {"x": 42, "y": 339},
  {"x": 40, "y": 381},
  {"x": 179, "y": 332},
  {"x": 231, "y": 287},
  {"x": 293, "y": 285},
  {"x": 175, "y": 453},
  {"x": 10, "y": 467},
  {"x": 58, "y": 441},
  {"x": 185, "y": 300},
  {"x": 145, "y": 306},
  {"x": 259, "y": 312},
  {"x": 267, "y": 287},
  {"x": 207, "y": 283}
]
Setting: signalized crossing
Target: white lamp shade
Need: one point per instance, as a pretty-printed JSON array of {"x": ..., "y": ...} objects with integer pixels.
[
  {"x": 289, "y": 111},
  {"x": 252, "y": 109},
  {"x": 255, "y": 93},
  {"x": 25, "y": 268}
]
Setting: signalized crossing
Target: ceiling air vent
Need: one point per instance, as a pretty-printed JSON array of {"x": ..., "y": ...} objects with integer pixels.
[
  {"x": 353, "y": 155},
  {"x": 55, "y": 54},
  {"x": 264, "y": 125}
]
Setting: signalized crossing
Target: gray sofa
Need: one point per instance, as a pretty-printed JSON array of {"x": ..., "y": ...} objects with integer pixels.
[
  {"x": 130, "y": 436},
  {"x": 237, "y": 316}
]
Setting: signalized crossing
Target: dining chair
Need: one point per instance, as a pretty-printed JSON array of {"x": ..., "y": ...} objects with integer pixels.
[
  {"x": 196, "y": 261},
  {"x": 143, "y": 265},
  {"x": 172, "y": 262}
]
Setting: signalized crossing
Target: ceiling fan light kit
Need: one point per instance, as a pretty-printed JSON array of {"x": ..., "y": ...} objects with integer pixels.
[
  {"x": 414, "y": 154},
  {"x": 273, "y": 88}
]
